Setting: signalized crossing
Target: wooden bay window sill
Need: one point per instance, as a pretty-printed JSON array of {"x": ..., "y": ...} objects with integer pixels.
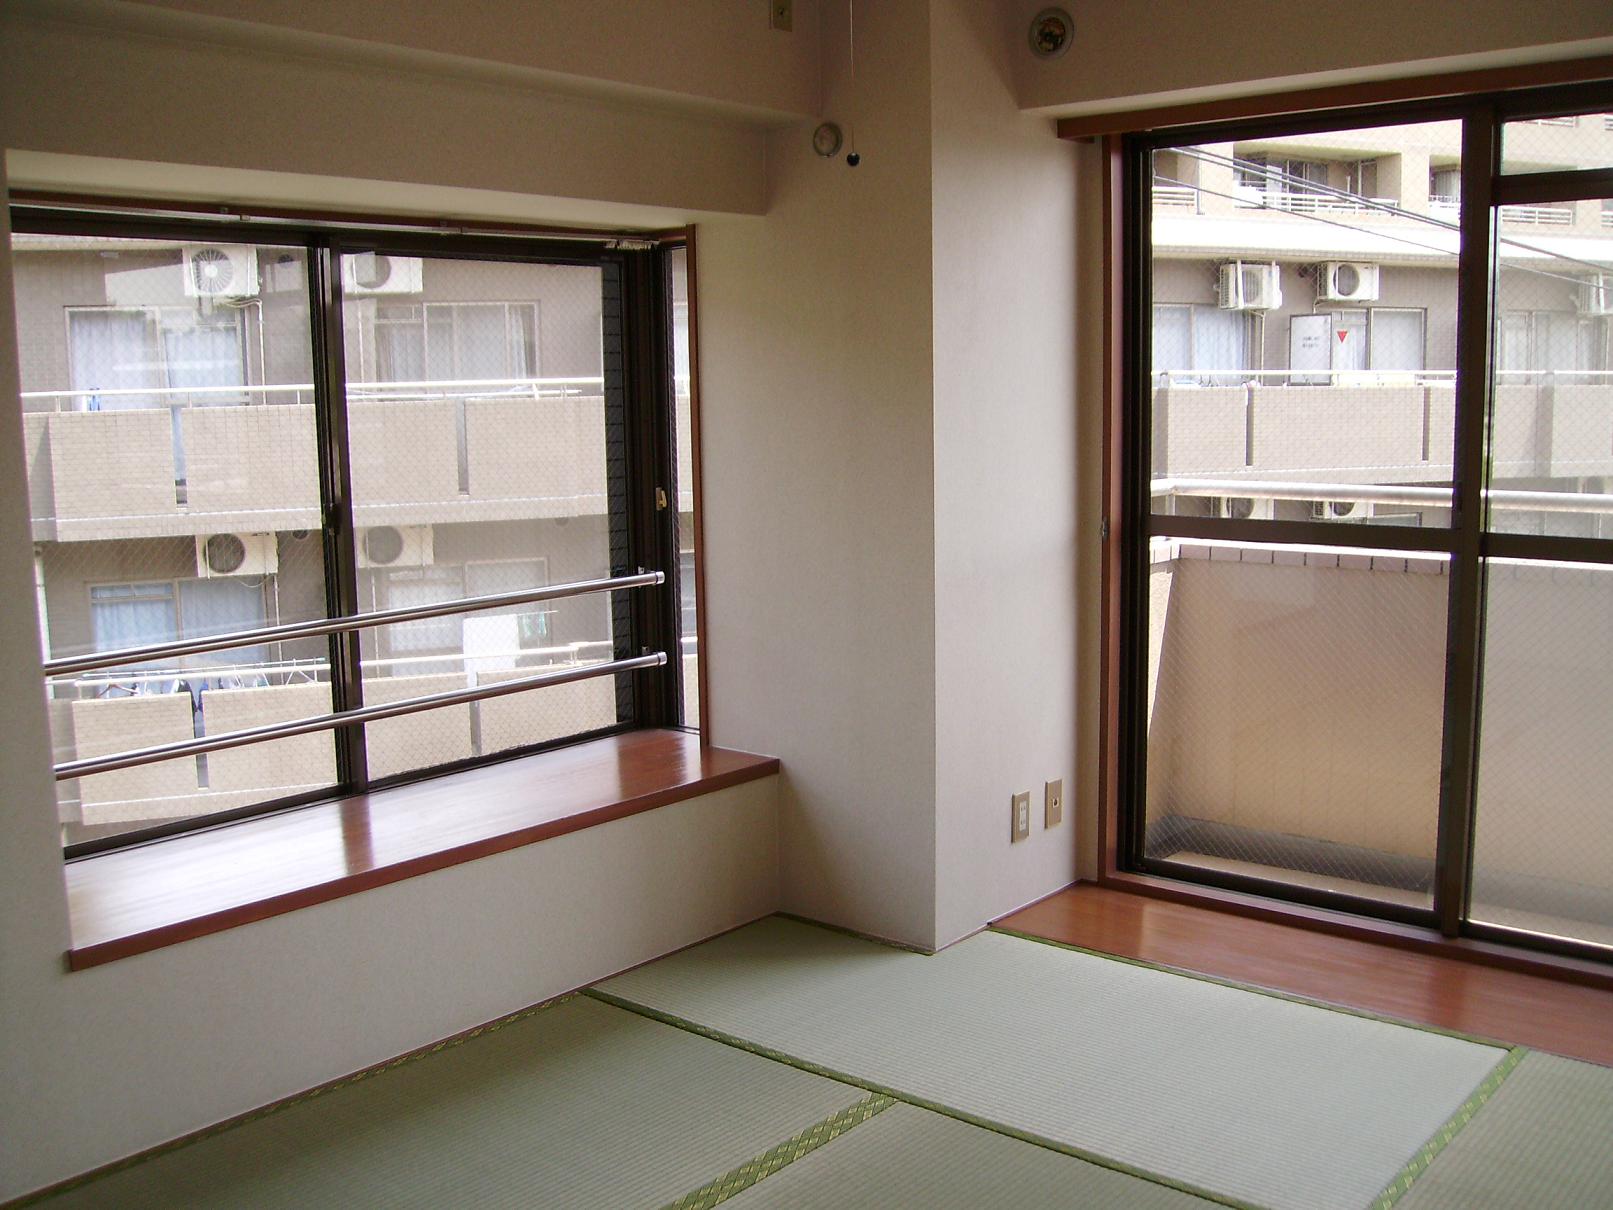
[{"x": 143, "y": 898}]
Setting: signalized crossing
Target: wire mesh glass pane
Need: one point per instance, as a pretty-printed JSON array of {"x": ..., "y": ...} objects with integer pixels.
[
  {"x": 1562, "y": 143},
  {"x": 1294, "y": 714},
  {"x": 683, "y": 441},
  {"x": 477, "y": 431},
  {"x": 1303, "y": 330},
  {"x": 174, "y": 494},
  {"x": 1543, "y": 838},
  {"x": 1551, "y": 436}
]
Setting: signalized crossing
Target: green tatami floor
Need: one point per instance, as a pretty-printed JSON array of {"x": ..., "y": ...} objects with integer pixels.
[{"x": 790, "y": 1065}]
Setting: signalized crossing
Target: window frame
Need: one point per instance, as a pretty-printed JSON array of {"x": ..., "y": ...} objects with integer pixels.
[
  {"x": 643, "y": 463},
  {"x": 1128, "y": 518}
]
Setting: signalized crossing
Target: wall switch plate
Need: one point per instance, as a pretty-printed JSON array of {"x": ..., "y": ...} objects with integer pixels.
[
  {"x": 781, "y": 15},
  {"x": 1021, "y": 828},
  {"x": 1053, "y": 803}
]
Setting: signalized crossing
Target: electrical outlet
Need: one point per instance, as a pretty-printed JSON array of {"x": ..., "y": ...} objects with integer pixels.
[
  {"x": 781, "y": 15},
  {"x": 1053, "y": 803},
  {"x": 1021, "y": 825}
]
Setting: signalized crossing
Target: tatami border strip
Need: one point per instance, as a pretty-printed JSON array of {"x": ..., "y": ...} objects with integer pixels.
[
  {"x": 1255, "y": 988},
  {"x": 274, "y": 1107},
  {"x": 739, "y": 1179},
  {"x": 1426, "y": 1155},
  {"x": 961, "y": 1115}
]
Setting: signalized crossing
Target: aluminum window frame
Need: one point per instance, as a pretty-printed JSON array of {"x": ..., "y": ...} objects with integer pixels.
[
  {"x": 640, "y": 444},
  {"x": 1486, "y": 192}
]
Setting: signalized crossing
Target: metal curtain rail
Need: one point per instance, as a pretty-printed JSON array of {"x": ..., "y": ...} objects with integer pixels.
[
  {"x": 329, "y": 722},
  {"x": 72, "y": 665}
]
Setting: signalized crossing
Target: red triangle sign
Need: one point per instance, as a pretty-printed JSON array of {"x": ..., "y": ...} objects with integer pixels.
[{"x": 1343, "y": 332}]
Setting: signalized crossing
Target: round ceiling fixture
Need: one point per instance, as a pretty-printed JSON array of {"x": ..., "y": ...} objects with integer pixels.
[
  {"x": 1052, "y": 31},
  {"x": 826, "y": 140}
]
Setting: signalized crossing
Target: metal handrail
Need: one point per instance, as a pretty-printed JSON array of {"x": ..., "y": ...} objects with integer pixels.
[
  {"x": 1382, "y": 493},
  {"x": 71, "y": 665},
  {"x": 329, "y": 722}
]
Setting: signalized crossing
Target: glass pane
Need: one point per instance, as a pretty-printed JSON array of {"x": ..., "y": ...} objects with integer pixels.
[
  {"x": 1557, "y": 144},
  {"x": 684, "y": 449},
  {"x": 477, "y": 430},
  {"x": 1294, "y": 704},
  {"x": 1304, "y": 326},
  {"x": 1551, "y": 434},
  {"x": 174, "y": 493},
  {"x": 1543, "y": 839}
]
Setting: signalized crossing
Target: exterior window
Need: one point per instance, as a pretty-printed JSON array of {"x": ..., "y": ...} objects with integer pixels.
[
  {"x": 138, "y": 615},
  {"x": 125, "y": 357},
  {"x": 1200, "y": 344},
  {"x": 1352, "y": 468},
  {"x": 483, "y": 428}
]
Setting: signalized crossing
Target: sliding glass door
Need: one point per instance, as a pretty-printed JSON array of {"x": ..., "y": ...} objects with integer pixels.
[{"x": 1368, "y": 582}]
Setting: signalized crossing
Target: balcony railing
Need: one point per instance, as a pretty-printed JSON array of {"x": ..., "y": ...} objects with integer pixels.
[
  {"x": 1250, "y": 197},
  {"x": 181, "y": 461},
  {"x": 1176, "y": 197},
  {"x": 1538, "y": 216}
]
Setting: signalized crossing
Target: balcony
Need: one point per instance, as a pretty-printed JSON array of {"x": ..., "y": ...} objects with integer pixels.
[
  {"x": 178, "y": 462},
  {"x": 1294, "y": 734},
  {"x": 1299, "y": 202},
  {"x": 1378, "y": 428}
]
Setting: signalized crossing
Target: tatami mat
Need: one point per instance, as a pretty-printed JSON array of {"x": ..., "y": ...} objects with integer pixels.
[
  {"x": 1544, "y": 1141},
  {"x": 911, "y": 1157},
  {"x": 1244, "y": 1095},
  {"x": 580, "y": 1104}
]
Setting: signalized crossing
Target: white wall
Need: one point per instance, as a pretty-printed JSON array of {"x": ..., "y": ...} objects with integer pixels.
[
  {"x": 816, "y": 417},
  {"x": 1005, "y": 215}
]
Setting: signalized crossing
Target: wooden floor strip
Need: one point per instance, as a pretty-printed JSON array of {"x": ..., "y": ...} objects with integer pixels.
[{"x": 1448, "y": 993}]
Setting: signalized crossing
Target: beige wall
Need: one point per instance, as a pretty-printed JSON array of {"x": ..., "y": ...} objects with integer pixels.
[
  {"x": 715, "y": 52},
  {"x": 1005, "y": 477},
  {"x": 816, "y": 358},
  {"x": 245, "y": 105},
  {"x": 101, "y": 1063},
  {"x": 1148, "y": 51}
]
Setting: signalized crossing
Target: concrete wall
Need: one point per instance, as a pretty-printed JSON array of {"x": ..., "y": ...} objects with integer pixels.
[
  {"x": 1006, "y": 481},
  {"x": 1300, "y": 697}
]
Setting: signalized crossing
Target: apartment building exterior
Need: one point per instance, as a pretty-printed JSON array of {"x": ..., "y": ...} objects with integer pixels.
[
  {"x": 174, "y": 482},
  {"x": 1308, "y": 284}
]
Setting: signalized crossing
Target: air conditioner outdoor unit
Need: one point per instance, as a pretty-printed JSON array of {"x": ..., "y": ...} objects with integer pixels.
[
  {"x": 1340, "y": 510},
  {"x": 1244, "y": 508},
  {"x": 1347, "y": 281},
  {"x": 1596, "y": 295},
  {"x": 1246, "y": 287},
  {"x": 377, "y": 273},
  {"x": 395, "y": 546},
  {"x": 236, "y": 555},
  {"x": 220, "y": 271}
]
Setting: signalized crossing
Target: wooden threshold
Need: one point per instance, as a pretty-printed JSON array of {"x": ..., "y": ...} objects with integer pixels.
[
  {"x": 1425, "y": 988},
  {"x": 133, "y": 900}
]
